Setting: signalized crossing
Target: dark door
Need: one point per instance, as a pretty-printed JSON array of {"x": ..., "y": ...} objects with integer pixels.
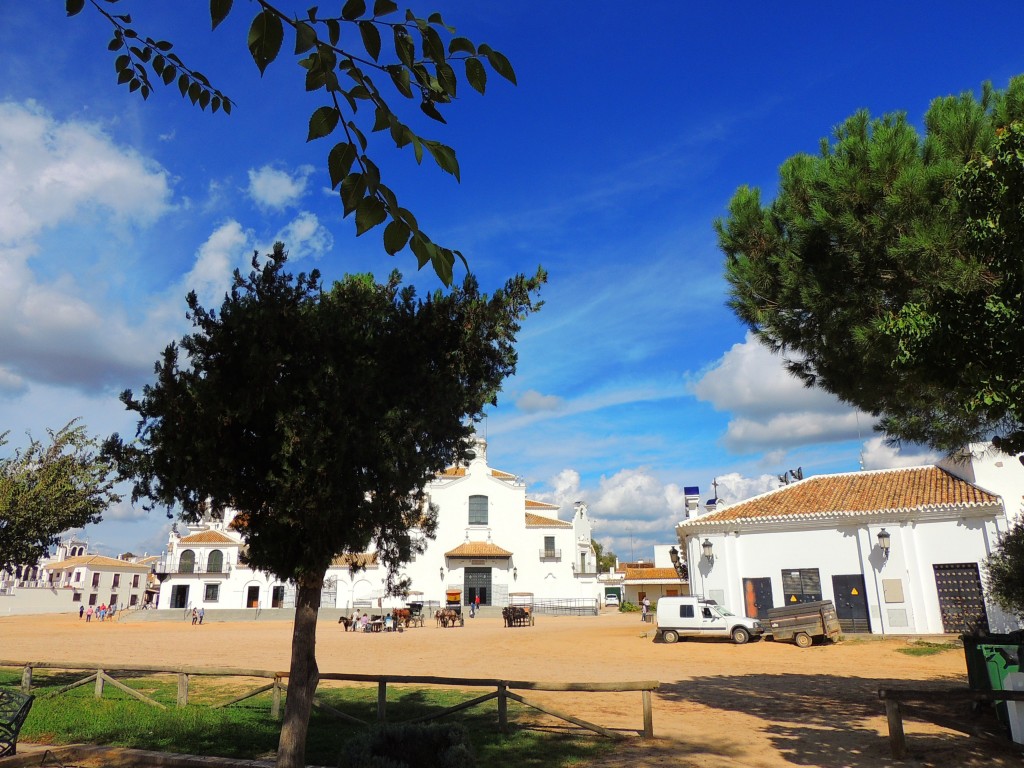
[
  {"x": 851, "y": 603},
  {"x": 757, "y": 597},
  {"x": 478, "y": 583},
  {"x": 252, "y": 597},
  {"x": 961, "y": 601},
  {"x": 179, "y": 596}
]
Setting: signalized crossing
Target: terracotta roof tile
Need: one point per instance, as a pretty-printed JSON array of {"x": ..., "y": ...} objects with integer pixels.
[
  {"x": 649, "y": 574},
  {"x": 461, "y": 472},
  {"x": 478, "y": 549},
  {"x": 855, "y": 493},
  {"x": 209, "y": 537},
  {"x": 531, "y": 504},
  {"x": 360, "y": 559},
  {"x": 95, "y": 561},
  {"x": 545, "y": 522}
]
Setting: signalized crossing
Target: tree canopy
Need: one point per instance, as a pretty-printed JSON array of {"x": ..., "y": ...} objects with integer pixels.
[
  {"x": 320, "y": 416},
  {"x": 49, "y": 488},
  {"x": 1004, "y": 571},
  {"x": 346, "y": 57},
  {"x": 887, "y": 268}
]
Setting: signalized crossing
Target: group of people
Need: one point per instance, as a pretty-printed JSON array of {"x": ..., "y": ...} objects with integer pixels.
[
  {"x": 363, "y": 623},
  {"x": 102, "y": 613},
  {"x": 645, "y": 608},
  {"x": 197, "y": 615}
]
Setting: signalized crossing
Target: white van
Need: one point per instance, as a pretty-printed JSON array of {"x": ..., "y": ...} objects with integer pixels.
[{"x": 693, "y": 616}]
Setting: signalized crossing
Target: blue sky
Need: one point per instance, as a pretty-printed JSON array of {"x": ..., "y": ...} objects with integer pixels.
[{"x": 629, "y": 130}]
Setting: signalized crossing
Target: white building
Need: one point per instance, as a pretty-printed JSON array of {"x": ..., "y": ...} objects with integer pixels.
[
  {"x": 491, "y": 541},
  {"x": 70, "y": 579},
  {"x": 898, "y": 551}
]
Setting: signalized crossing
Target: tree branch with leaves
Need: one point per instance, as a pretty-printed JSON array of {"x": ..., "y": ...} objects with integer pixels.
[{"x": 416, "y": 61}]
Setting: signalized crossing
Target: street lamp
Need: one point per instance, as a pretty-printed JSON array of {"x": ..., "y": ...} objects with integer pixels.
[
  {"x": 680, "y": 567},
  {"x": 707, "y": 547},
  {"x": 442, "y": 573},
  {"x": 884, "y": 543}
]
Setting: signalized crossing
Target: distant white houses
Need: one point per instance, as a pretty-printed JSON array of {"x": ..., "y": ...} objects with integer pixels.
[
  {"x": 898, "y": 551},
  {"x": 73, "y": 578},
  {"x": 491, "y": 541}
]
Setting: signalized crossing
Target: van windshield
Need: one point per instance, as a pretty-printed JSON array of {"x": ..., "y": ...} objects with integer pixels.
[{"x": 721, "y": 611}]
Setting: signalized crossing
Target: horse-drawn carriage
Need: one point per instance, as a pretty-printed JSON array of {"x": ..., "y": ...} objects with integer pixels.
[
  {"x": 519, "y": 612},
  {"x": 451, "y": 614}
]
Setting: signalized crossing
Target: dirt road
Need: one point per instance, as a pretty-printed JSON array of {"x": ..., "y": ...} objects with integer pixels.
[{"x": 763, "y": 704}]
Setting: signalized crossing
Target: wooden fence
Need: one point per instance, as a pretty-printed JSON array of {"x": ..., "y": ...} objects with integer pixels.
[
  {"x": 503, "y": 690},
  {"x": 893, "y": 699}
]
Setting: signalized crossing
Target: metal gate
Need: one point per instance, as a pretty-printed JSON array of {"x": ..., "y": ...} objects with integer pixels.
[
  {"x": 757, "y": 597},
  {"x": 329, "y": 593},
  {"x": 851, "y": 603},
  {"x": 961, "y": 601},
  {"x": 478, "y": 582}
]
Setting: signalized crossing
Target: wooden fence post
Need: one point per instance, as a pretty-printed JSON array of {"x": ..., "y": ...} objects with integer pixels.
[
  {"x": 897, "y": 740},
  {"x": 26, "y": 679},
  {"x": 502, "y": 708},
  {"x": 182, "y": 689},
  {"x": 382, "y": 701},
  {"x": 648, "y": 715},
  {"x": 275, "y": 701},
  {"x": 98, "y": 690}
]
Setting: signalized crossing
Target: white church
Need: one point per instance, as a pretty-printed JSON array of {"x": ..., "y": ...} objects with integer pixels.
[{"x": 492, "y": 542}]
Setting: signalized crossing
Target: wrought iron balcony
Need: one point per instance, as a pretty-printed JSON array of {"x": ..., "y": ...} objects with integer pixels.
[{"x": 551, "y": 554}]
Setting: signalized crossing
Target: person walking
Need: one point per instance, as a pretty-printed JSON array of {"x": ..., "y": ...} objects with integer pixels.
[
  {"x": 88, "y": 615},
  {"x": 645, "y": 606},
  {"x": 195, "y": 617},
  {"x": 81, "y": 611},
  {"x": 202, "y": 613}
]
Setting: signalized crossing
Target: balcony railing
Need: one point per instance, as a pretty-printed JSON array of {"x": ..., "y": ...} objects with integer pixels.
[
  {"x": 551, "y": 554},
  {"x": 197, "y": 571}
]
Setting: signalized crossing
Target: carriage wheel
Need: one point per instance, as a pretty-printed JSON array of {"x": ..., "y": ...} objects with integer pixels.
[{"x": 462, "y": 620}]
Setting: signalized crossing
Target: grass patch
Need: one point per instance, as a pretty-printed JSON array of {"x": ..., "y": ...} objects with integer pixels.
[
  {"x": 928, "y": 649},
  {"x": 247, "y": 731}
]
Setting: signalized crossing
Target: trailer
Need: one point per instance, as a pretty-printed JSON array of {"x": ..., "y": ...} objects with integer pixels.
[{"x": 801, "y": 623}]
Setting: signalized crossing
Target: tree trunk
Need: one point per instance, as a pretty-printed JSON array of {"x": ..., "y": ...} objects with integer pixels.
[{"x": 303, "y": 676}]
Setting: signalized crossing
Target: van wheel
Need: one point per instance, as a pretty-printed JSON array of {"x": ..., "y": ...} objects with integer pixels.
[
  {"x": 740, "y": 635},
  {"x": 669, "y": 635},
  {"x": 803, "y": 640}
]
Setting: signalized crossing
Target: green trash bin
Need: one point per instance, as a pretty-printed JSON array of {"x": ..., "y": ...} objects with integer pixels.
[{"x": 989, "y": 660}]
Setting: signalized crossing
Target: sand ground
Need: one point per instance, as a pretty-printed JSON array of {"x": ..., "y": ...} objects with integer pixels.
[{"x": 763, "y": 704}]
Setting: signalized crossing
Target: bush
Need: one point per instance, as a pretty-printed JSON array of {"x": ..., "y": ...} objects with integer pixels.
[
  {"x": 628, "y": 607},
  {"x": 412, "y": 745}
]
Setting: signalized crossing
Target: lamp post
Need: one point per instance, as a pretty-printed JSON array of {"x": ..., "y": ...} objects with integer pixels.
[
  {"x": 707, "y": 547},
  {"x": 884, "y": 543},
  {"x": 678, "y": 564}
]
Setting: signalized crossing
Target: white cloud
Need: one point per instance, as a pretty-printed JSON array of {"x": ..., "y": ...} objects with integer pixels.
[
  {"x": 877, "y": 455},
  {"x": 276, "y": 189},
  {"x": 734, "y": 487},
  {"x": 11, "y": 383},
  {"x": 54, "y": 171},
  {"x": 533, "y": 401},
  {"x": 772, "y": 409},
  {"x": 216, "y": 260},
  {"x": 305, "y": 237}
]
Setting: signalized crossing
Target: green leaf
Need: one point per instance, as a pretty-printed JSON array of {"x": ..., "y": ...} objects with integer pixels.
[
  {"x": 444, "y": 156},
  {"x": 442, "y": 262},
  {"x": 417, "y": 147},
  {"x": 422, "y": 248},
  {"x": 499, "y": 64},
  {"x": 405, "y": 50},
  {"x": 322, "y": 122},
  {"x": 339, "y": 161},
  {"x": 168, "y": 75},
  {"x": 369, "y": 214},
  {"x": 352, "y": 188},
  {"x": 430, "y": 110},
  {"x": 381, "y": 119},
  {"x": 461, "y": 45},
  {"x": 476, "y": 75},
  {"x": 358, "y": 134},
  {"x": 204, "y": 100},
  {"x": 384, "y": 7},
  {"x": 446, "y": 77},
  {"x": 116, "y": 43},
  {"x": 353, "y": 9},
  {"x": 74, "y": 7},
  {"x": 396, "y": 235},
  {"x": 371, "y": 38},
  {"x": 265, "y": 37},
  {"x": 433, "y": 47},
  {"x": 122, "y": 62},
  {"x": 400, "y": 77},
  {"x": 333, "y": 30},
  {"x": 305, "y": 37},
  {"x": 219, "y": 10},
  {"x": 183, "y": 83},
  {"x": 194, "y": 91}
]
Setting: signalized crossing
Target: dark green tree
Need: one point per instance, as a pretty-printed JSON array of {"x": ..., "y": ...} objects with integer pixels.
[
  {"x": 1004, "y": 571},
  {"x": 321, "y": 416},
  {"x": 49, "y": 488},
  {"x": 606, "y": 561},
  {"x": 887, "y": 269},
  {"x": 346, "y": 58}
]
